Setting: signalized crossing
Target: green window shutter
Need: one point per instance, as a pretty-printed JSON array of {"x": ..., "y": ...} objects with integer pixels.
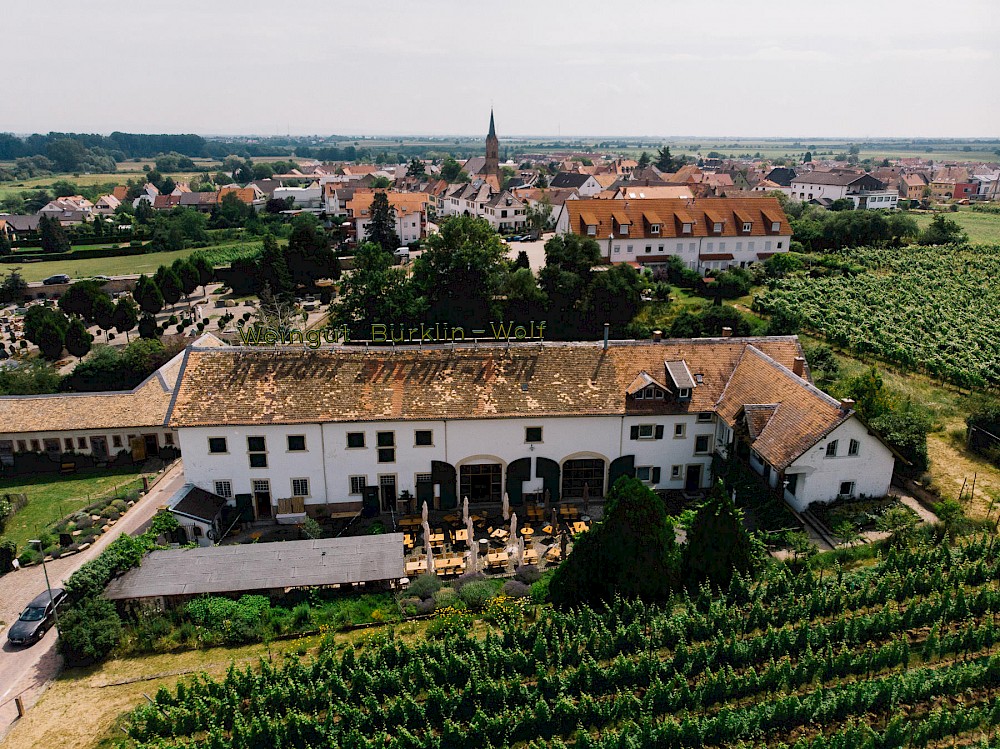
[
  {"x": 634, "y": 433},
  {"x": 659, "y": 431}
]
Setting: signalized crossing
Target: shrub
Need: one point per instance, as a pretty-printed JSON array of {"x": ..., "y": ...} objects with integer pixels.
[
  {"x": 527, "y": 574},
  {"x": 424, "y": 586},
  {"x": 8, "y": 552},
  {"x": 119, "y": 504},
  {"x": 425, "y": 607},
  {"x": 540, "y": 591},
  {"x": 28, "y": 556},
  {"x": 89, "y": 631},
  {"x": 446, "y": 597},
  {"x": 477, "y": 594},
  {"x": 463, "y": 580},
  {"x": 515, "y": 589},
  {"x": 301, "y": 616}
]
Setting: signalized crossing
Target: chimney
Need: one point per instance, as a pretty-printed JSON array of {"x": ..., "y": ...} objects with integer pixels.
[
  {"x": 846, "y": 404},
  {"x": 607, "y": 330},
  {"x": 657, "y": 336},
  {"x": 727, "y": 332},
  {"x": 799, "y": 366}
]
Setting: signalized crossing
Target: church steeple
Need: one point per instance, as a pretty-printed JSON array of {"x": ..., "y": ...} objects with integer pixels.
[{"x": 492, "y": 166}]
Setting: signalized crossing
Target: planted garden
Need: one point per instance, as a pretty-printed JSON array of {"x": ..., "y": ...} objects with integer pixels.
[
  {"x": 929, "y": 309},
  {"x": 897, "y": 654}
]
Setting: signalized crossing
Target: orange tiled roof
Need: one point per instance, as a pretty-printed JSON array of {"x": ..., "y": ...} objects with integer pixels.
[
  {"x": 701, "y": 213},
  {"x": 245, "y": 194},
  {"x": 291, "y": 385},
  {"x": 120, "y": 192},
  {"x": 408, "y": 202}
]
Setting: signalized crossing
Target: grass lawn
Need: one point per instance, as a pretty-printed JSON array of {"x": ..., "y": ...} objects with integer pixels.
[
  {"x": 106, "y": 266},
  {"x": 53, "y": 496},
  {"x": 982, "y": 228}
]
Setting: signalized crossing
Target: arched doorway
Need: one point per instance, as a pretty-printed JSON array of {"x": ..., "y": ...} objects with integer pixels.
[
  {"x": 589, "y": 471},
  {"x": 481, "y": 479}
]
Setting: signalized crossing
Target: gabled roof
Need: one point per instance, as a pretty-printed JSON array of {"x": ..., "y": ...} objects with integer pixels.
[
  {"x": 680, "y": 374},
  {"x": 829, "y": 178},
  {"x": 196, "y": 503},
  {"x": 643, "y": 380},
  {"x": 757, "y": 416},
  {"x": 569, "y": 179},
  {"x": 802, "y": 414}
]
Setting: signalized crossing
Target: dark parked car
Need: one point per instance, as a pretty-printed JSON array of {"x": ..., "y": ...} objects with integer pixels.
[
  {"x": 56, "y": 279},
  {"x": 36, "y": 619}
]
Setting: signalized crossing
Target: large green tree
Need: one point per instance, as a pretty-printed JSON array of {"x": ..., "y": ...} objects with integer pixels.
[
  {"x": 382, "y": 224},
  {"x": 147, "y": 295},
  {"x": 51, "y": 235},
  {"x": 309, "y": 255},
  {"x": 631, "y": 553},
  {"x": 169, "y": 284},
  {"x": 718, "y": 543},
  {"x": 81, "y": 299},
  {"x": 77, "y": 339},
  {"x": 126, "y": 316},
  {"x": 461, "y": 272},
  {"x": 376, "y": 292},
  {"x": 272, "y": 269}
]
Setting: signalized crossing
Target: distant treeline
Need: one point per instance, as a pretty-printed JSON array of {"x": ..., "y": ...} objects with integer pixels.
[{"x": 124, "y": 145}]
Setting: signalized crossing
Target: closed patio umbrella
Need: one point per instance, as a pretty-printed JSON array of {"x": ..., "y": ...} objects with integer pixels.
[
  {"x": 465, "y": 510},
  {"x": 586, "y": 499},
  {"x": 427, "y": 537},
  {"x": 430, "y": 561},
  {"x": 423, "y": 512},
  {"x": 471, "y": 530},
  {"x": 520, "y": 551},
  {"x": 506, "y": 506},
  {"x": 513, "y": 528}
]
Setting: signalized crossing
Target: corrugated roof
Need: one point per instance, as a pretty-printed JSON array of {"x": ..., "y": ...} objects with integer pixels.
[{"x": 263, "y": 566}]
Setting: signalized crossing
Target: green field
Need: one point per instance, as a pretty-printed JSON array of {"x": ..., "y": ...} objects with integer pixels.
[
  {"x": 53, "y": 496},
  {"x": 982, "y": 228},
  {"x": 110, "y": 266}
]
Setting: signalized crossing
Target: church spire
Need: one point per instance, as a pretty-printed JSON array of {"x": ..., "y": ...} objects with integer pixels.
[{"x": 493, "y": 130}]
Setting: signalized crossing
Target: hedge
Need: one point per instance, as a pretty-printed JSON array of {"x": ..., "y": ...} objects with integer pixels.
[{"x": 25, "y": 257}]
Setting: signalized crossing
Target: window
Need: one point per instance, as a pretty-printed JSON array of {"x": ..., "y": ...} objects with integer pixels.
[
  {"x": 649, "y": 248},
  {"x": 779, "y": 245},
  {"x": 642, "y": 472},
  {"x": 257, "y": 450},
  {"x": 684, "y": 393},
  {"x": 423, "y": 438},
  {"x": 853, "y": 447},
  {"x": 300, "y": 487},
  {"x": 702, "y": 444},
  {"x": 423, "y": 478},
  {"x": 705, "y": 417},
  {"x": 81, "y": 442},
  {"x": 217, "y": 445},
  {"x": 387, "y": 455},
  {"x": 116, "y": 439},
  {"x": 628, "y": 248},
  {"x": 680, "y": 430},
  {"x": 685, "y": 228},
  {"x": 358, "y": 484},
  {"x": 168, "y": 438},
  {"x": 623, "y": 229},
  {"x": 654, "y": 228},
  {"x": 385, "y": 439},
  {"x": 776, "y": 225},
  {"x": 717, "y": 227},
  {"x": 355, "y": 439},
  {"x": 533, "y": 434},
  {"x": 224, "y": 489},
  {"x": 22, "y": 446},
  {"x": 675, "y": 472},
  {"x": 831, "y": 449},
  {"x": 591, "y": 230},
  {"x": 792, "y": 483},
  {"x": 847, "y": 488},
  {"x": 747, "y": 226},
  {"x": 69, "y": 443},
  {"x": 646, "y": 431},
  {"x": 296, "y": 443}
]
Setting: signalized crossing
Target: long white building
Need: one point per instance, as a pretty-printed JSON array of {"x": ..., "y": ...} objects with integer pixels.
[{"x": 342, "y": 427}]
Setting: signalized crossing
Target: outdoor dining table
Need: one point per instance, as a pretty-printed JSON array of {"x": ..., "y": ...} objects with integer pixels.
[
  {"x": 462, "y": 534},
  {"x": 527, "y": 531},
  {"x": 547, "y": 530},
  {"x": 420, "y": 565},
  {"x": 409, "y": 522},
  {"x": 499, "y": 533},
  {"x": 580, "y": 527},
  {"x": 530, "y": 556},
  {"x": 497, "y": 558}
]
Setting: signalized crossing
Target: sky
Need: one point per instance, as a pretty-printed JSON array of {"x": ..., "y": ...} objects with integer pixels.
[{"x": 659, "y": 68}]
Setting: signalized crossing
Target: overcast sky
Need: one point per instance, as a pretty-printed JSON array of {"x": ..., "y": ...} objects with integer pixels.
[{"x": 851, "y": 68}]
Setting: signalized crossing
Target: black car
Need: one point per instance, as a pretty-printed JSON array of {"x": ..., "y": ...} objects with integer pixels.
[
  {"x": 36, "y": 619},
  {"x": 56, "y": 279}
]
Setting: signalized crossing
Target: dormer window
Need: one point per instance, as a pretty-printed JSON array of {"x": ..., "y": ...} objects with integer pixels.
[
  {"x": 685, "y": 228},
  {"x": 684, "y": 393},
  {"x": 775, "y": 226},
  {"x": 591, "y": 230},
  {"x": 650, "y": 392},
  {"x": 747, "y": 227},
  {"x": 654, "y": 228},
  {"x": 623, "y": 229},
  {"x": 717, "y": 227}
]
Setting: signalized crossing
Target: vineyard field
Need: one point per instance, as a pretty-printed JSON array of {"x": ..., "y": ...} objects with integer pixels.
[
  {"x": 901, "y": 653},
  {"x": 927, "y": 309}
]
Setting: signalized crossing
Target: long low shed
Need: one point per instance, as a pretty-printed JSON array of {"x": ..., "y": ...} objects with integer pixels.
[{"x": 262, "y": 567}]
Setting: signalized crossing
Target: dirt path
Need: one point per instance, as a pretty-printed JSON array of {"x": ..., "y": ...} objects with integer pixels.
[
  {"x": 951, "y": 466},
  {"x": 27, "y": 671}
]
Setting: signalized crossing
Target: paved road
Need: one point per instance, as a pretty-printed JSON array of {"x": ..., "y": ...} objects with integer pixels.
[{"x": 26, "y": 671}]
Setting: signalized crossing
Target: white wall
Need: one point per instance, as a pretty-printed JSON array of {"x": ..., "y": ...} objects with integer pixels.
[
  {"x": 820, "y": 477},
  {"x": 743, "y": 249},
  {"x": 328, "y": 463},
  {"x": 76, "y": 434}
]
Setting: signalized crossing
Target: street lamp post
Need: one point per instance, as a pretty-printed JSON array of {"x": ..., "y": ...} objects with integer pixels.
[{"x": 48, "y": 587}]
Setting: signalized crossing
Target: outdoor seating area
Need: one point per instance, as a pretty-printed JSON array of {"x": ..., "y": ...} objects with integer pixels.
[{"x": 488, "y": 539}]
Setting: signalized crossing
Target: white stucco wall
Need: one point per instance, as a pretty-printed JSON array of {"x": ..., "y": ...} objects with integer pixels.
[{"x": 820, "y": 477}]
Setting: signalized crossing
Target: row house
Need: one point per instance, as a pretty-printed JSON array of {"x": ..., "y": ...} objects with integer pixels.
[
  {"x": 823, "y": 188},
  {"x": 707, "y": 234},
  {"x": 349, "y": 428},
  {"x": 409, "y": 209}
]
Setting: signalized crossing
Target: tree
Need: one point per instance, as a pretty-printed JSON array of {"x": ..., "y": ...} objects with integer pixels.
[
  {"x": 522, "y": 260},
  {"x": 12, "y": 287},
  {"x": 872, "y": 398},
  {"x": 273, "y": 269},
  {"x": 665, "y": 162},
  {"x": 46, "y": 328},
  {"x": 375, "y": 292},
  {"x": 81, "y": 297},
  {"x": 206, "y": 271},
  {"x": 539, "y": 216},
  {"x": 943, "y": 231},
  {"x": 635, "y": 534},
  {"x": 51, "y": 235},
  {"x": 5, "y": 248},
  {"x": 33, "y": 377},
  {"x": 309, "y": 255},
  {"x": 900, "y": 523},
  {"x": 148, "y": 329},
  {"x": 126, "y": 316},
  {"x": 89, "y": 631},
  {"x": 461, "y": 272},
  {"x": 807, "y": 158},
  {"x": 451, "y": 170},
  {"x": 104, "y": 312},
  {"x": 906, "y": 430},
  {"x": 381, "y": 183},
  {"x": 644, "y": 160},
  {"x": 416, "y": 169},
  {"x": 382, "y": 224},
  {"x": 718, "y": 543},
  {"x": 188, "y": 275},
  {"x": 169, "y": 284},
  {"x": 148, "y": 295},
  {"x": 77, "y": 339},
  {"x": 66, "y": 154}
]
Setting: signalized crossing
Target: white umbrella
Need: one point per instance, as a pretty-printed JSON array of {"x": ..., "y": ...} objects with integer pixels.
[
  {"x": 470, "y": 529},
  {"x": 506, "y": 506},
  {"x": 520, "y": 551},
  {"x": 465, "y": 509},
  {"x": 430, "y": 561},
  {"x": 513, "y": 527},
  {"x": 427, "y": 537},
  {"x": 423, "y": 512}
]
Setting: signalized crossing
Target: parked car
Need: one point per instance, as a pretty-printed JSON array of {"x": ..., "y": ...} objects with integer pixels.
[
  {"x": 102, "y": 279},
  {"x": 58, "y": 278},
  {"x": 36, "y": 619}
]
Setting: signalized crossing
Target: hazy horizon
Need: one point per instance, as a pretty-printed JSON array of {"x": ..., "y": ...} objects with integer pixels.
[{"x": 764, "y": 68}]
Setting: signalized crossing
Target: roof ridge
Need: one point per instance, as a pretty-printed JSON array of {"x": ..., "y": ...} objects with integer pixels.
[{"x": 830, "y": 400}]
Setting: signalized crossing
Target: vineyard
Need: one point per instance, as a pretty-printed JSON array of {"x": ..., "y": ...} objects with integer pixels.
[
  {"x": 928, "y": 309},
  {"x": 900, "y": 654}
]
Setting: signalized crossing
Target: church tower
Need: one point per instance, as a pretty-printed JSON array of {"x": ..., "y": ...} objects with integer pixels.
[{"x": 492, "y": 166}]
